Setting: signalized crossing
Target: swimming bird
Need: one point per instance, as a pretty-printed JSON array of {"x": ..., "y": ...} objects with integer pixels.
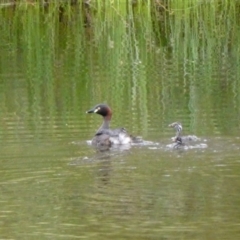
[
  {"x": 106, "y": 136},
  {"x": 181, "y": 140}
]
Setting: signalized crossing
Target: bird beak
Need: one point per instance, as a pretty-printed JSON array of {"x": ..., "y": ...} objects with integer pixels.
[{"x": 93, "y": 110}]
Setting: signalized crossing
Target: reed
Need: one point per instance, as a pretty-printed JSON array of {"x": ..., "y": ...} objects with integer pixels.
[{"x": 65, "y": 43}]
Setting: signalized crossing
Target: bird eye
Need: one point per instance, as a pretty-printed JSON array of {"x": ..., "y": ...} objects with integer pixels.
[{"x": 96, "y": 110}]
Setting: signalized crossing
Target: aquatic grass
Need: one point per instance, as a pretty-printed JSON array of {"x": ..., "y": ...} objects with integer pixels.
[{"x": 112, "y": 42}]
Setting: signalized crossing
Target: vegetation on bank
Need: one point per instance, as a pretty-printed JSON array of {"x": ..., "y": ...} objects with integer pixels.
[
  {"x": 168, "y": 20},
  {"x": 194, "y": 39}
]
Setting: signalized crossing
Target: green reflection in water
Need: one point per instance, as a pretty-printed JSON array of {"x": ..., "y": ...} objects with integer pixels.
[
  {"x": 65, "y": 66},
  {"x": 183, "y": 67}
]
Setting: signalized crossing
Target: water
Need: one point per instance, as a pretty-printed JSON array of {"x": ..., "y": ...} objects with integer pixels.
[{"x": 55, "y": 186}]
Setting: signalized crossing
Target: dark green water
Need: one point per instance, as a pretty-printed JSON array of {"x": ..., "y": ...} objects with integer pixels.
[{"x": 55, "y": 186}]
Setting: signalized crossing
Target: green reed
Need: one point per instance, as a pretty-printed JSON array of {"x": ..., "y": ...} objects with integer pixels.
[{"x": 121, "y": 39}]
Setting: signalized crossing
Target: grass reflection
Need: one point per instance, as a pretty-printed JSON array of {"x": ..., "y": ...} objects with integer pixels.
[{"x": 148, "y": 60}]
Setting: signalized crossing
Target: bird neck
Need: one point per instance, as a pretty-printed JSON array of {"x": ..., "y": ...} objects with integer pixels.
[
  {"x": 178, "y": 133},
  {"x": 105, "y": 124}
]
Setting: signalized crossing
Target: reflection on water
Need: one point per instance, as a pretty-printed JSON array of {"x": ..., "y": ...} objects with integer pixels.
[
  {"x": 67, "y": 189},
  {"x": 54, "y": 185}
]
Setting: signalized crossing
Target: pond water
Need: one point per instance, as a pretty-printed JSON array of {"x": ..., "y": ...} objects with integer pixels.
[{"x": 55, "y": 186}]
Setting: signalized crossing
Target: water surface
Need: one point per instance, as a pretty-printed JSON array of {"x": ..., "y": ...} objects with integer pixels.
[{"x": 55, "y": 186}]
